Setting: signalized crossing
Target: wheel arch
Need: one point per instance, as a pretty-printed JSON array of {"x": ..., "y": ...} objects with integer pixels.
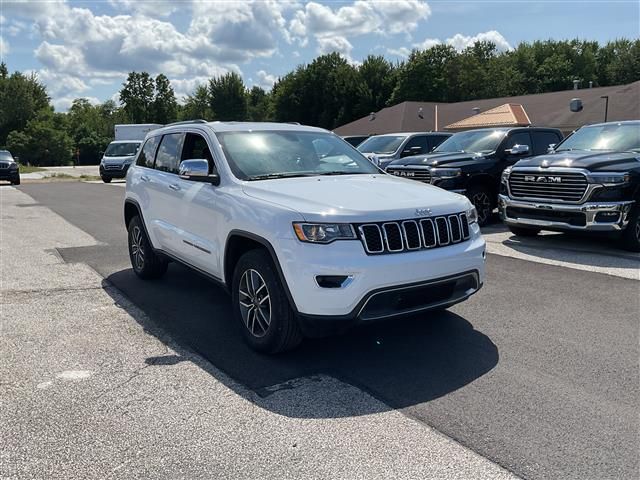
[
  {"x": 131, "y": 209},
  {"x": 487, "y": 181}
]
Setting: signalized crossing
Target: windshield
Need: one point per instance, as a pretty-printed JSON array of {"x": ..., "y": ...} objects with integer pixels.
[
  {"x": 122, "y": 149},
  {"x": 620, "y": 137},
  {"x": 479, "y": 141},
  {"x": 5, "y": 155},
  {"x": 382, "y": 144},
  {"x": 261, "y": 155}
]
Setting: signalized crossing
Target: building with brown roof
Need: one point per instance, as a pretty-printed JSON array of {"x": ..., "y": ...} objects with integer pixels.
[
  {"x": 507, "y": 115},
  {"x": 544, "y": 109}
]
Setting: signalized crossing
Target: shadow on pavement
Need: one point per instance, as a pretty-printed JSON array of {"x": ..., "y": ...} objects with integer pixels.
[{"x": 402, "y": 362}]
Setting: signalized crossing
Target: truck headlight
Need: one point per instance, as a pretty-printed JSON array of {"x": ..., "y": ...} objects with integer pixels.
[
  {"x": 505, "y": 175},
  {"x": 442, "y": 173},
  {"x": 323, "y": 232},
  {"x": 615, "y": 178},
  {"x": 472, "y": 215}
]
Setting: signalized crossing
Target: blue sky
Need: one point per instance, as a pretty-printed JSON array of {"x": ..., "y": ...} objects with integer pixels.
[{"x": 86, "y": 48}]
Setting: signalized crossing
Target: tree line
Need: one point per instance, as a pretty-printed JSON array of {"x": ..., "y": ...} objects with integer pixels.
[{"x": 328, "y": 92}]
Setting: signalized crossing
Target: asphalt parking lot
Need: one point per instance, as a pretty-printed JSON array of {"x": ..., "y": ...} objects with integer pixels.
[{"x": 538, "y": 373}]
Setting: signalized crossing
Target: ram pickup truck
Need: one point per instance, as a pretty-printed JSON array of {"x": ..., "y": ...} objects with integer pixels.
[
  {"x": 471, "y": 162},
  {"x": 384, "y": 149},
  {"x": 589, "y": 183},
  {"x": 307, "y": 235}
]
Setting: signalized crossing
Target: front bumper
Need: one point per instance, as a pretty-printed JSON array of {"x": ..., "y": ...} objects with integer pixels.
[
  {"x": 375, "y": 280},
  {"x": 9, "y": 175},
  {"x": 114, "y": 170},
  {"x": 592, "y": 216}
]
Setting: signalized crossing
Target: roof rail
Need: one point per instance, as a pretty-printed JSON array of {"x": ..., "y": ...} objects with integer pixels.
[
  {"x": 186, "y": 122},
  {"x": 294, "y": 123}
]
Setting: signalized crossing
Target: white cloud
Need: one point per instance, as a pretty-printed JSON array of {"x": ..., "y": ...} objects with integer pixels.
[
  {"x": 265, "y": 80},
  {"x": 427, "y": 44},
  {"x": 150, "y": 8},
  {"x": 4, "y": 47},
  {"x": 335, "y": 44},
  {"x": 460, "y": 42},
  {"x": 402, "y": 52}
]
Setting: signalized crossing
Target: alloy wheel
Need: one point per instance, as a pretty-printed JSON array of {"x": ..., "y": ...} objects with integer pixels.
[
  {"x": 137, "y": 250},
  {"x": 255, "y": 303},
  {"x": 482, "y": 202}
]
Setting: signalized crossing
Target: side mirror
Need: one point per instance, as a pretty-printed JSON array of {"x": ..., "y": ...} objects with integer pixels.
[
  {"x": 197, "y": 170},
  {"x": 411, "y": 151},
  {"x": 518, "y": 150},
  {"x": 551, "y": 148}
]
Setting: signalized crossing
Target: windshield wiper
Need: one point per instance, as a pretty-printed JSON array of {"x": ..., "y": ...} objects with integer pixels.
[
  {"x": 269, "y": 176},
  {"x": 337, "y": 172}
]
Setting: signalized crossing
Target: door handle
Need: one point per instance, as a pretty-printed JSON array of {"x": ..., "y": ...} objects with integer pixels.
[
  {"x": 144, "y": 178},
  {"x": 174, "y": 186}
]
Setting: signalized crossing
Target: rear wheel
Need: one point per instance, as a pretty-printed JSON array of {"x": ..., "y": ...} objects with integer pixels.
[
  {"x": 261, "y": 306},
  {"x": 524, "y": 232},
  {"x": 146, "y": 263},
  {"x": 106, "y": 179},
  {"x": 481, "y": 198},
  {"x": 631, "y": 235}
]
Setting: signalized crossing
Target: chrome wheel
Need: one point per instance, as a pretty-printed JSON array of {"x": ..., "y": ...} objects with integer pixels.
[
  {"x": 482, "y": 202},
  {"x": 137, "y": 250},
  {"x": 255, "y": 303}
]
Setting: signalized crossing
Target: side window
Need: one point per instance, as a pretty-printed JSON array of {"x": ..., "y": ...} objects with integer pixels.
[
  {"x": 435, "y": 140},
  {"x": 148, "y": 153},
  {"x": 521, "y": 138},
  {"x": 542, "y": 140},
  {"x": 195, "y": 147},
  {"x": 412, "y": 145},
  {"x": 167, "y": 159}
]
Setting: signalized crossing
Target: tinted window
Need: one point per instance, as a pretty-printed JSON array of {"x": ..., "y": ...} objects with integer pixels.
[
  {"x": 521, "y": 138},
  {"x": 168, "y": 157},
  {"x": 542, "y": 140},
  {"x": 435, "y": 140},
  {"x": 196, "y": 147},
  {"x": 382, "y": 144},
  {"x": 475, "y": 141},
  {"x": 148, "y": 154},
  {"x": 618, "y": 137},
  {"x": 420, "y": 142}
]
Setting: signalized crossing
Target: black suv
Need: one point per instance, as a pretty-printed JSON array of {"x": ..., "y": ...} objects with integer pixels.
[
  {"x": 472, "y": 162},
  {"x": 589, "y": 183},
  {"x": 9, "y": 169}
]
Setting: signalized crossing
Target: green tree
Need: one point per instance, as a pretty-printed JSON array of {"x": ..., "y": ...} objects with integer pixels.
[
  {"x": 137, "y": 97},
  {"x": 197, "y": 105},
  {"x": 227, "y": 97},
  {"x": 258, "y": 105},
  {"x": 44, "y": 141},
  {"x": 379, "y": 78},
  {"x": 165, "y": 106}
]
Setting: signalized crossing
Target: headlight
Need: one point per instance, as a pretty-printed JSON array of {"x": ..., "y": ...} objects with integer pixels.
[
  {"x": 505, "y": 175},
  {"x": 472, "y": 215},
  {"x": 445, "y": 172},
  {"x": 13, "y": 166},
  {"x": 323, "y": 232},
  {"x": 616, "y": 178}
]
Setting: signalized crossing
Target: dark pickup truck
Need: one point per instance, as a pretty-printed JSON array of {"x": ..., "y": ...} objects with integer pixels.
[
  {"x": 472, "y": 162},
  {"x": 591, "y": 182}
]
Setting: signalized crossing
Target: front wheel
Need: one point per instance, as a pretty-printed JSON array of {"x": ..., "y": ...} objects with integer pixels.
[
  {"x": 524, "y": 232},
  {"x": 16, "y": 181},
  {"x": 146, "y": 263},
  {"x": 106, "y": 179},
  {"x": 261, "y": 306},
  {"x": 631, "y": 235},
  {"x": 481, "y": 198}
]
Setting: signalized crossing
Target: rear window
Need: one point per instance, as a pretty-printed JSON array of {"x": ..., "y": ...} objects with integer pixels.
[{"x": 168, "y": 156}]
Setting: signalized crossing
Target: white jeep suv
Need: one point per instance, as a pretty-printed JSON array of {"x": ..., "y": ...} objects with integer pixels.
[{"x": 307, "y": 235}]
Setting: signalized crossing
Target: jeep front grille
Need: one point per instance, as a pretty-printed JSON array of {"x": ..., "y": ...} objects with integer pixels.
[
  {"x": 420, "y": 174},
  {"x": 548, "y": 185},
  {"x": 407, "y": 235},
  {"x": 4, "y": 165}
]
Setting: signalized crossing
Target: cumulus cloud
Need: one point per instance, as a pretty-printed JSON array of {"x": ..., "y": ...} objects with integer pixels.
[
  {"x": 402, "y": 52},
  {"x": 150, "y": 8},
  {"x": 4, "y": 47},
  {"x": 460, "y": 42},
  {"x": 335, "y": 44},
  {"x": 265, "y": 80}
]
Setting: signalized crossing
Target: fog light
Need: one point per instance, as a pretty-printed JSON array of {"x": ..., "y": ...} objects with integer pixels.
[
  {"x": 607, "y": 217},
  {"x": 332, "y": 281}
]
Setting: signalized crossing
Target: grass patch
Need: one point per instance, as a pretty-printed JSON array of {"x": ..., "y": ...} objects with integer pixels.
[
  {"x": 89, "y": 178},
  {"x": 30, "y": 169}
]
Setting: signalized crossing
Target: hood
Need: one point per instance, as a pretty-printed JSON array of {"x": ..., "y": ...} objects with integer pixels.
[
  {"x": 356, "y": 198},
  {"x": 590, "y": 160},
  {"x": 444, "y": 159}
]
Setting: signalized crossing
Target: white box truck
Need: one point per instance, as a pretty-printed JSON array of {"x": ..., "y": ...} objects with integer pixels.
[
  {"x": 134, "y": 131},
  {"x": 122, "y": 151}
]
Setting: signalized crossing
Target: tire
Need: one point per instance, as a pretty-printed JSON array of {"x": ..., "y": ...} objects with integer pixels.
[
  {"x": 16, "y": 181},
  {"x": 524, "y": 231},
  {"x": 106, "y": 179},
  {"x": 482, "y": 198},
  {"x": 146, "y": 264},
  {"x": 268, "y": 322},
  {"x": 631, "y": 236}
]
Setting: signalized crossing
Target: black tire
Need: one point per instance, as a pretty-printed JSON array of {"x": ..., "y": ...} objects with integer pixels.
[
  {"x": 524, "y": 231},
  {"x": 280, "y": 330},
  {"x": 106, "y": 179},
  {"x": 482, "y": 198},
  {"x": 16, "y": 181},
  {"x": 146, "y": 263},
  {"x": 631, "y": 236}
]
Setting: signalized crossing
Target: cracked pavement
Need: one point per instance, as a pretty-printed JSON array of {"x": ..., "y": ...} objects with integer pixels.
[{"x": 90, "y": 388}]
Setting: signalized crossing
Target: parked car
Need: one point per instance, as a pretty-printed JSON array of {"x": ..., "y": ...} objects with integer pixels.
[
  {"x": 117, "y": 159},
  {"x": 355, "y": 140},
  {"x": 590, "y": 182},
  {"x": 384, "y": 149},
  {"x": 9, "y": 168},
  {"x": 307, "y": 235},
  {"x": 471, "y": 162}
]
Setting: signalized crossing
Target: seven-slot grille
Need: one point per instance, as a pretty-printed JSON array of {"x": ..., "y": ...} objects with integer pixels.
[
  {"x": 4, "y": 164},
  {"x": 420, "y": 174},
  {"x": 565, "y": 186},
  {"x": 407, "y": 235}
]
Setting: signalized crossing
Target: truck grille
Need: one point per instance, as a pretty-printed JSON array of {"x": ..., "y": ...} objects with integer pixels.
[
  {"x": 548, "y": 185},
  {"x": 407, "y": 235},
  {"x": 420, "y": 174},
  {"x": 4, "y": 165},
  {"x": 113, "y": 166}
]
